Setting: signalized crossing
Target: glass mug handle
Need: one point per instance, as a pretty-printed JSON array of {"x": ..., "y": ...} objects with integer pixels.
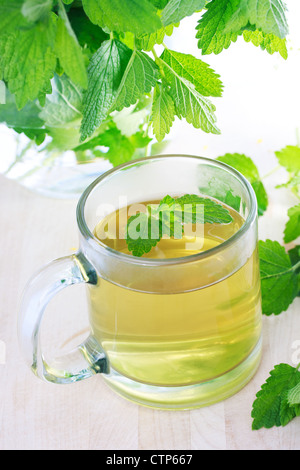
[{"x": 88, "y": 358}]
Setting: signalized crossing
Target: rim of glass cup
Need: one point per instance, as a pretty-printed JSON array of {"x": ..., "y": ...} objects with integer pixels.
[{"x": 97, "y": 244}]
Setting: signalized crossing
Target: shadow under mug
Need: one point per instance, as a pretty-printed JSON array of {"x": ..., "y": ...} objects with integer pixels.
[{"x": 177, "y": 333}]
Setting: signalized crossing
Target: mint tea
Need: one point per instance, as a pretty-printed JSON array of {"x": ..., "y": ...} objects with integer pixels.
[{"x": 162, "y": 332}]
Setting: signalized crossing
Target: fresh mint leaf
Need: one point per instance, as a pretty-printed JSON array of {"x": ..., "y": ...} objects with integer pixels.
[
  {"x": 35, "y": 10},
  {"x": 70, "y": 55},
  {"x": 137, "y": 235},
  {"x": 272, "y": 406},
  {"x": 182, "y": 72},
  {"x": 89, "y": 36},
  {"x": 64, "y": 105},
  {"x": 292, "y": 227},
  {"x": 268, "y": 42},
  {"x": 225, "y": 20},
  {"x": 137, "y": 16},
  {"x": 11, "y": 17},
  {"x": 160, "y": 4},
  {"x": 139, "y": 77},
  {"x": 293, "y": 395},
  {"x": 246, "y": 166},
  {"x": 267, "y": 16},
  {"x": 211, "y": 34},
  {"x": 205, "y": 80},
  {"x": 28, "y": 61},
  {"x": 118, "y": 77},
  {"x": 176, "y": 10},
  {"x": 145, "y": 230},
  {"x": 162, "y": 113},
  {"x": 130, "y": 120},
  {"x": 289, "y": 158},
  {"x": 294, "y": 255},
  {"x": 114, "y": 146},
  {"x": 213, "y": 212},
  {"x": 279, "y": 280},
  {"x": 146, "y": 42},
  {"x": 105, "y": 73},
  {"x": 25, "y": 119},
  {"x": 120, "y": 148}
]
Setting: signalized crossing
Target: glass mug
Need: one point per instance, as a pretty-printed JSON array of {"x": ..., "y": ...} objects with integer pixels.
[{"x": 173, "y": 333}]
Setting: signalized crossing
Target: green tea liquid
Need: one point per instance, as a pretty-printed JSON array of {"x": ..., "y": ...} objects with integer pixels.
[{"x": 177, "y": 337}]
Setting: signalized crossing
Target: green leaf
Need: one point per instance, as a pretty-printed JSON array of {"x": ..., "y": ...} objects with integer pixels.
[
  {"x": 145, "y": 230},
  {"x": 11, "y": 17},
  {"x": 176, "y": 10},
  {"x": 293, "y": 395},
  {"x": 63, "y": 106},
  {"x": 197, "y": 72},
  {"x": 279, "y": 283},
  {"x": 162, "y": 113},
  {"x": 268, "y": 42},
  {"x": 35, "y": 10},
  {"x": 270, "y": 407},
  {"x": 136, "y": 16},
  {"x": 105, "y": 73},
  {"x": 112, "y": 145},
  {"x": 160, "y": 4},
  {"x": 146, "y": 42},
  {"x": 292, "y": 227},
  {"x": 139, "y": 77},
  {"x": 267, "y": 16},
  {"x": 89, "y": 36},
  {"x": 293, "y": 184},
  {"x": 225, "y": 20},
  {"x": 137, "y": 234},
  {"x": 130, "y": 120},
  {"x": 246, "y": 166},
  {"x": 211, "y": 33},
  {"x": 69, "y": 53},
  {"x": 289, "y": 158},
  {"x": 27, "y": 118},
  {"x": 189, "y": 102},
  {"x": 213, "y": 212},
  {"x": 120, "y": 148},
  {"x": 294, "y": 255},
  {"x": 27, "y": 61}
]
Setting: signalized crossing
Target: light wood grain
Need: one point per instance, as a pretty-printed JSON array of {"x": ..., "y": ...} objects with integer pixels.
[{"x": 88, "y": 415}]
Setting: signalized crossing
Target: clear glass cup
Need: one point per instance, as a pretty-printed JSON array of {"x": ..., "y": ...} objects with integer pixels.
[{"x": 176, "y": 333}]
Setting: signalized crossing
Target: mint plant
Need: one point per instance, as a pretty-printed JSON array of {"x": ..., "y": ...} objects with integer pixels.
[{"x": 83, "y": 75}]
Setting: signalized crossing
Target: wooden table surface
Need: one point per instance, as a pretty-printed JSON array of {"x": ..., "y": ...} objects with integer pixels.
[{"x": 88, "y": 415}]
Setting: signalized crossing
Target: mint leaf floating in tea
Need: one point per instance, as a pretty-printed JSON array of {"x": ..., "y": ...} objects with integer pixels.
[
  {"x": 144, "y": 230},
  {"x": 278, "y": 401},
  {"x": 279, "y": 278}
]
